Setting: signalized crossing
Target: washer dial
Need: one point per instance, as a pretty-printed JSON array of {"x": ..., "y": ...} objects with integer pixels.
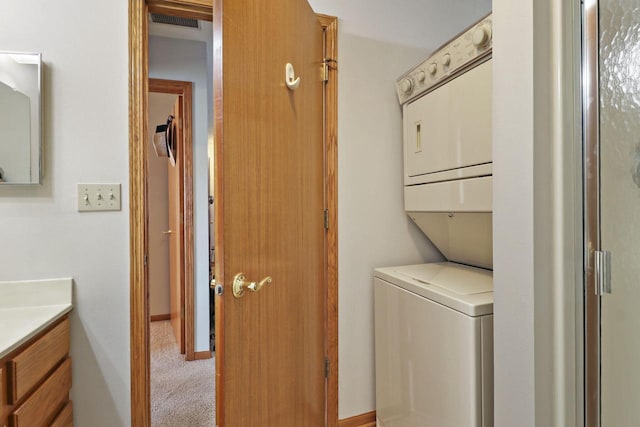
[
  {"x": 482, "y": 35},
  {"x": 406, "y": 86}
]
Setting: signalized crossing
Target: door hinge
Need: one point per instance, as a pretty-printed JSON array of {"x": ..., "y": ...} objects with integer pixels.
[
  {"x": 146, "y": 259},
  {"x": 326, "y": 367},
  {"x": 326, "y": 219},
  {"x": 328, "y": 64},
  {"x": 602, "y": 270},
  {"x": 182, "y": 312}
]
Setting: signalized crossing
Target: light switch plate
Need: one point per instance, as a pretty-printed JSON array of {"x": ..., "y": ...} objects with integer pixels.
[{"x": 99, "y": 197}]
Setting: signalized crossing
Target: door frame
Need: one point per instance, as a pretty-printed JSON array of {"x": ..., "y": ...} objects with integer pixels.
[
  {"x": 184, "y": 91},
  {"x": 330, "y": 26},
  {"x": 591, "y": 165},
  {"x": 138, "y": 43}
]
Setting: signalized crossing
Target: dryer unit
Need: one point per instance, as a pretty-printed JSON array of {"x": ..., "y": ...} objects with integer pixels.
[
  {"x": 447, "y": 146},
  {"x": 434, "y": 322}
]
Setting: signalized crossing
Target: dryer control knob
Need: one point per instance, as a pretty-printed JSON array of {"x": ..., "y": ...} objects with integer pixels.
[
  {"x": 446, "y": 59},
  {"x": 433, "y": 67},
  {"x": 482, "y": 35},
  {"x": 406, "y": 86},
  {"x": 421, "y": 76}
]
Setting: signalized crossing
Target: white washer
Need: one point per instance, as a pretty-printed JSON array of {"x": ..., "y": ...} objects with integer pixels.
[{"x": 434, "y": 346}]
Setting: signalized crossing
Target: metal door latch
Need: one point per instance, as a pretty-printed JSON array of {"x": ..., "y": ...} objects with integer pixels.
[
  {"x": 217, "y": 287},
  {"x": 219, "y": 290}
]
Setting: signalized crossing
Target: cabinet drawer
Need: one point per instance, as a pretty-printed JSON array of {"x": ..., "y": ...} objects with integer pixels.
[
  {"x": 2, "y": 386},
  {"x": 42, "y": 406},
  {"x": 30, "y": 366},
  {"x": 65, "y": 417}
]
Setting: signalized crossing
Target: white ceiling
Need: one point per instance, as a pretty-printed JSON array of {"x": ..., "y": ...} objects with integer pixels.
[{"x": 425, "y": 24}]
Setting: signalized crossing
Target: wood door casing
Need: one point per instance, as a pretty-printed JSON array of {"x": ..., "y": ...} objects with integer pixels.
[
  {"x": 194, "y": 9},
  {"x": 330, "y": 26},
  {"x": 138, "y": 34},
  {"x": 269, "y": 206},
  {"x": 176, "y": 238}
]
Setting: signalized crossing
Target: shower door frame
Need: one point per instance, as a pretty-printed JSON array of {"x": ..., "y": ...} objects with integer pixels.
[{"x": 592, "y": 241}]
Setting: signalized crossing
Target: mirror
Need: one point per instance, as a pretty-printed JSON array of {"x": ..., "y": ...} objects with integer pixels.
[{"x": 20, "y": 118}]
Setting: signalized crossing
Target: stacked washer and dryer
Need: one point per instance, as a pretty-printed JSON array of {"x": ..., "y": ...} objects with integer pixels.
[{"x": 434, "y": 322}]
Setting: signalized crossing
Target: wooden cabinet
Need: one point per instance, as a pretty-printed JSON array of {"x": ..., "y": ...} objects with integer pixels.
[
  {"x": 35, "y": 381},
  {"x": 3, "y": 400},
  {"x": 65, "y": 417}
]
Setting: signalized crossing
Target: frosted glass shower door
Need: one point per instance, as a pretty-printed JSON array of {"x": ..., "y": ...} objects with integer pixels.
[{"x": 619, "y": 125}]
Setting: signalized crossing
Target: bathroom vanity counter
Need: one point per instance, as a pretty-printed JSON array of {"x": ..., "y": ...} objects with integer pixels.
[
  {"x": 27, "y": 308},
  {"x": 35, "y": 367}
]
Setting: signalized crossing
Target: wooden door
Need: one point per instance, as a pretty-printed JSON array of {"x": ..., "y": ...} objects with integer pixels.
[
  {"x": 269, "y": 213},
  {"x": 176, "y": 238}
]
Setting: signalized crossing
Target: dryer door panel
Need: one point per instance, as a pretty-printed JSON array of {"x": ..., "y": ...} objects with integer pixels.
[{"x": 450, "y": 127}]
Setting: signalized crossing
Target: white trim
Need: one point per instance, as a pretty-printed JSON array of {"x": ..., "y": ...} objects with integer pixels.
[{"x": 558, "y": 214}]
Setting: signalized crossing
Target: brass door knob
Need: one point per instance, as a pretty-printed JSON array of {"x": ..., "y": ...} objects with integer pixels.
[{"x": 240, "y": 284}]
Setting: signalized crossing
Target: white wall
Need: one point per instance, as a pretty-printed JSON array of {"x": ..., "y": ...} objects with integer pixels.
[
  {"x": 85, "y": 140},
  {"x": 160, "y": 106},
  {"x": 513, "y": 227},
  {"x": 186, "y": 60},
  {"x": 424, "y": 24},
  {"x": 377, "y": 42},
  {"x": 373, "y": 229},
  {"x": 537, "y": 214}
]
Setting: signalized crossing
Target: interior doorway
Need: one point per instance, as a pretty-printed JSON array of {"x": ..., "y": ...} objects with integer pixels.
[
  {"x": 177, "y": 381},
  {"x": 161, "y": 107},
  {"x": 140, "y": 211},
  {"x": 177, "y": 187}
]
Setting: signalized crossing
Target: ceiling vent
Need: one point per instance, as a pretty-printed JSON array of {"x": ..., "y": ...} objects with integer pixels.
[{"x": 174, "y": 20}]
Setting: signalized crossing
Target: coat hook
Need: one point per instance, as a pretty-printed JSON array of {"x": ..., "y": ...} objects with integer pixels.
[{"x": 290, "y": 77}]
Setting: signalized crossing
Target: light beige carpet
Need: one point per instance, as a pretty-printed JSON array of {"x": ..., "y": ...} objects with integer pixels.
[{"x": 182, "y": 393}]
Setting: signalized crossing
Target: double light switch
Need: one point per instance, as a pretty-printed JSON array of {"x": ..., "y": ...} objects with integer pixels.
[{"x": 99, "y": 197}]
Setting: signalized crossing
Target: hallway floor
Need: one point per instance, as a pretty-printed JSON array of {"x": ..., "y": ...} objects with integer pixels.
[{"x": 182, "y": 393}]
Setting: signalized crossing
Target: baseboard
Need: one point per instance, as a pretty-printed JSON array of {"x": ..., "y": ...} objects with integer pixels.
[
  {"x": 202, "y": 355},
  {"x": 362, "y": 420},
  {"x": 157, "y": 317}
]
